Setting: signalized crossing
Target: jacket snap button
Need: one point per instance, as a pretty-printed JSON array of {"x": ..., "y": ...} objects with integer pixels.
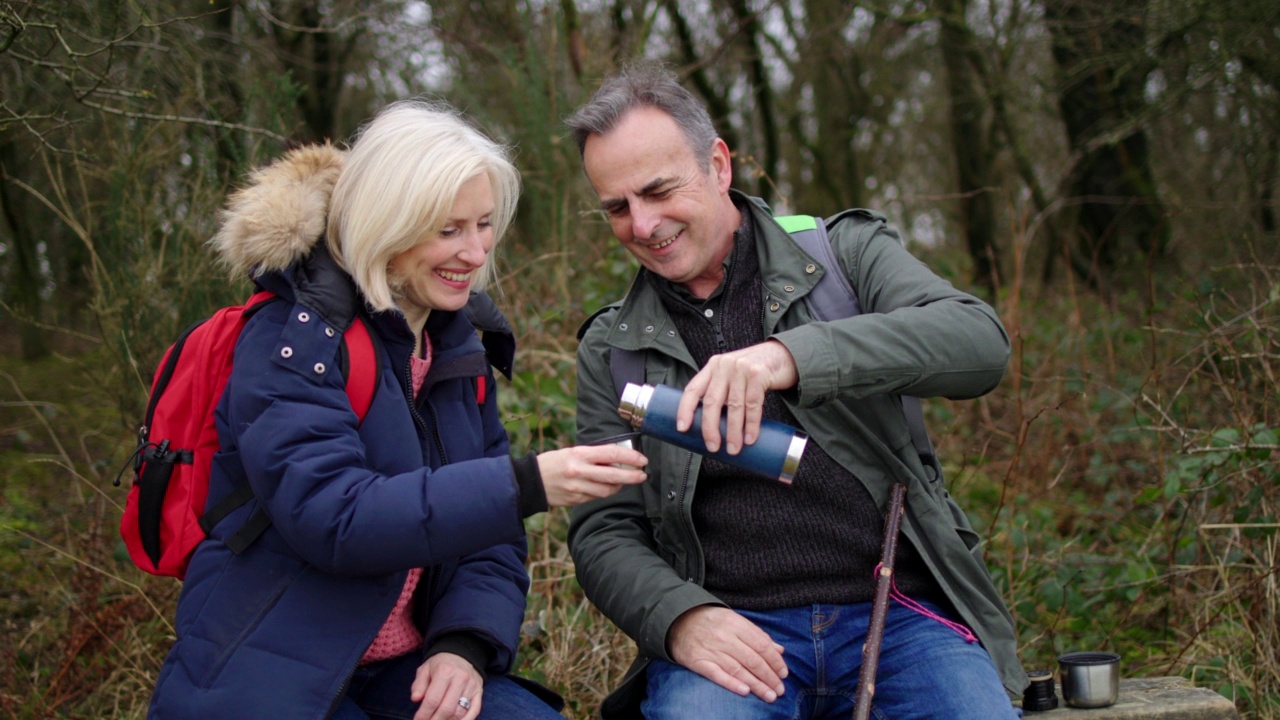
[
  {"x": 319, "y": 368},
  {"x": 648, "y": 328},
  {"x": 789, "y": 288},
  {"x": 622, "y": 326},
  {"x": 774, "y": 307},
  {"x": 328, "y": 332},
  {"x": 286, "y": 352},
  {"x": 304, "y": 317},
  {"x": 671, "y": 494},
  {"x": 811, "y": 268}
]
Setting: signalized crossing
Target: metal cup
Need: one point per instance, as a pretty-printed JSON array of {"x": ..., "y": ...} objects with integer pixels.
[
  {"x": 1090, "y": 679},
  {"x": 626, "y": 440}
]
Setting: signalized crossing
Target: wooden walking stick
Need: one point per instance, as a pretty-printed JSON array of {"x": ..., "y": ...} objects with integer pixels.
[{"x": 880, "y": 606}]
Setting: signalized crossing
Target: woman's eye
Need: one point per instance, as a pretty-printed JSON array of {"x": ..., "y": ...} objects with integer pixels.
[{"x": 448, "y": 231}]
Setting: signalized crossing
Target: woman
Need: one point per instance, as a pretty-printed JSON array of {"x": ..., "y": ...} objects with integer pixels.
[{"x": 390, "y": 582}]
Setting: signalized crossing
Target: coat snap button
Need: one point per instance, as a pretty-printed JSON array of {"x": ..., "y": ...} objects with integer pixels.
[
  {"x": 774, "y": 306},
  {"x": 811, "y": 268},
  {"x": 304, "y": 317},
  {"x": 319, "y": 368},
  {"x": 286, "y": 352},
  {"x": 328, "y": 332}
]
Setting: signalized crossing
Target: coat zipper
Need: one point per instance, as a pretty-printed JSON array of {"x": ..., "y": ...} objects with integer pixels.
[
  {"x": 686, "y": 522},
  {"x": 432, "y": 579}
]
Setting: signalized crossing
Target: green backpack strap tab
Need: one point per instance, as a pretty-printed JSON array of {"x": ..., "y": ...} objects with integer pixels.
[{"x": 796, "y": 223}]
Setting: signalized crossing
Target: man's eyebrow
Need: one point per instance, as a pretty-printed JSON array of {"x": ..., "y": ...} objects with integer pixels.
[
  {"x": 613, "y": 204},
  {"x": 652, "y": 187}
]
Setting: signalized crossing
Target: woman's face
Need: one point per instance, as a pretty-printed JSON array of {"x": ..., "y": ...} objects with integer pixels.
[{"x": 436, "y": 274}]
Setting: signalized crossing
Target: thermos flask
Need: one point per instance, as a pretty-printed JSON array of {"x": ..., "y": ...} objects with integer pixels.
[{"x": 775, "y": 454}]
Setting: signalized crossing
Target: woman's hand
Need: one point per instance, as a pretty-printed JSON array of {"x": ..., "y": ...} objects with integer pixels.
[
  {"x": 574, "y": 475},
  {"x": 448, "y": 687}
]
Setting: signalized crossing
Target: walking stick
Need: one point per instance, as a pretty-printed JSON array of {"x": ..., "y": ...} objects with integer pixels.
[{"x": 880, "y": 606}]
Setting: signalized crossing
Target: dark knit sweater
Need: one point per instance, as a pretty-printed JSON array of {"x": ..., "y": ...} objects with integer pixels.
[{"x": 768, "y": 545}]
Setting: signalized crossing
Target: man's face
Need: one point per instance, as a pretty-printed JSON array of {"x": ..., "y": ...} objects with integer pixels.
[{"x": 675, "y": 217}]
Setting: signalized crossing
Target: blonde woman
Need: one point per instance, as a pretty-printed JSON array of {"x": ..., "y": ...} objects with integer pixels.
[{"x": 389, "y": 581}]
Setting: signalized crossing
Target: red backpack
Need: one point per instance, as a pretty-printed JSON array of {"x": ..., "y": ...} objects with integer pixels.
[{"x": 164, "y": 515}]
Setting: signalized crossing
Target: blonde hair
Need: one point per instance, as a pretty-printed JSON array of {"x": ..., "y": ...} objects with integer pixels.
[{"x": 398, "y": 183}]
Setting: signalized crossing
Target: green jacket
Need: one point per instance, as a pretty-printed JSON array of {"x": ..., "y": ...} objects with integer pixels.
[{"x": 637, "y": 553}]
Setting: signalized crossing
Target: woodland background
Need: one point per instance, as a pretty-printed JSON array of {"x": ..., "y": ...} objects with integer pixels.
[{"x": 1104, "y": 171}]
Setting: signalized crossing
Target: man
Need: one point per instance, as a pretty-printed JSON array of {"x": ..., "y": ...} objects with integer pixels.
[{"x": 749, "y": 598}]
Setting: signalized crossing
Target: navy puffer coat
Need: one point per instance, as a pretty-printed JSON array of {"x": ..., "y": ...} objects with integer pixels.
[{"x": 275, "y": 631}]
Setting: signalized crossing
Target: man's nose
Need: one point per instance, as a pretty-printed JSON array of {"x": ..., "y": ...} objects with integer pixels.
[{"x": 644, "y": 220}]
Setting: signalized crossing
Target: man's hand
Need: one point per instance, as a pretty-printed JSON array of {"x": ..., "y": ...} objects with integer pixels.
[
  {"x": 738, "y": 381},
  {"x": 441, "y": 683},
  {"x": 729, "y": 650}
]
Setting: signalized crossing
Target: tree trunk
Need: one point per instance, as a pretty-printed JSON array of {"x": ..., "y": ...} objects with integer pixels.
[
  {"x": 830, "y": 68},
  {"x": 1099, "y": 51},
  {"x": 762, "y": 92},
  {"x": 223, "y": 98},
  {"x": 23, "y": 284},
  {"x": 970, "y": 142}
]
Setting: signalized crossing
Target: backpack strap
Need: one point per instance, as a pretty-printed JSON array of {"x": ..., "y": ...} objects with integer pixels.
[
  {"x": 360, "y": 370},
  {"x": 626, "y": 366},
  {"x": 833, "y": 298},
  {"x": 360, "y": 367}
]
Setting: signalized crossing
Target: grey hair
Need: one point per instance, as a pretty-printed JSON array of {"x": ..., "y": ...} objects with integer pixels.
[
  {"x": 399, "y": 182},
  {"x": 645, "y": 84}
]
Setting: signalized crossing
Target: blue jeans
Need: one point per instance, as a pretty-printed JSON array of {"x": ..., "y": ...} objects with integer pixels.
[
  {"x": 380, "y": 691},
  {"x": 926, "y": 671}
]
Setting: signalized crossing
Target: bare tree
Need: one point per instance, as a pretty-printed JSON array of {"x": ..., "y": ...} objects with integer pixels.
[
  {"x": 1099, "y": 48},
  {"x": 971, "y": 140}
]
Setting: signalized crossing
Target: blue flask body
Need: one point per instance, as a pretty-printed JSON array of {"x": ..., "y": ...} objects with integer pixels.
[{"x": 775, "y": 454}]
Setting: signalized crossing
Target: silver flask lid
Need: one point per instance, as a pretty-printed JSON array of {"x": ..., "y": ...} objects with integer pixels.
[{"x": 635, "y": 402}]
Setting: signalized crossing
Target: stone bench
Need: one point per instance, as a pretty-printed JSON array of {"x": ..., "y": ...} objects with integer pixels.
[{"x": 1156, "y": 698}]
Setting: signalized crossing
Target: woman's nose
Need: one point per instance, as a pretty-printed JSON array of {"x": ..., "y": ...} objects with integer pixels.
[{"x": 477, "y": 247}]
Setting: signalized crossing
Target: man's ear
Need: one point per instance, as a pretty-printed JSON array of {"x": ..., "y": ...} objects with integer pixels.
[{"x": 722, "y": 164}]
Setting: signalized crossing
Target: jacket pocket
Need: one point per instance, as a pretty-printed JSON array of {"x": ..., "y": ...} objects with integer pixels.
[{"x": 968, "y": 535}]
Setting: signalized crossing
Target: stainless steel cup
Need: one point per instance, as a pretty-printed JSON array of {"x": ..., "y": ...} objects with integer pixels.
[
  {"x": 629, "y": 441},
  {"x": 1090, "y": 679}
]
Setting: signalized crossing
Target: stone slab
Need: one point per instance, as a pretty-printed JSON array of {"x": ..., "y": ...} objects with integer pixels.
[{"x": 1157, "y": 698}]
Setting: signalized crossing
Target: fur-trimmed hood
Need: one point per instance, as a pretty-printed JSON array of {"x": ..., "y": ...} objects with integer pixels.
[{"x": 281, "y": 213}]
